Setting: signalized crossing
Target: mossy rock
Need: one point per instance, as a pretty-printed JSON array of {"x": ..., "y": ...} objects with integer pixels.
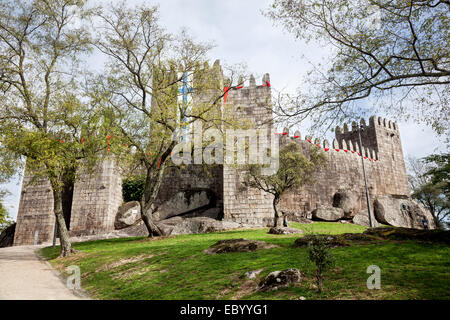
[
  {"x": 395, "y": 233},
  {"x": 343, "y": 240}
]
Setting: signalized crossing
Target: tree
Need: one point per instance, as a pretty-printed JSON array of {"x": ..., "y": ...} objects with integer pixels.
[
  {"x": 394, "y": 51},
  {"x": 429, "y": 181},
  {"x": 41, "y": 117},
  {"x": 319, "y": 253},
  {"x": 295, "y": 170},
  {"x": 5, "y": 219},
  {"x": 146, "y": 68}
]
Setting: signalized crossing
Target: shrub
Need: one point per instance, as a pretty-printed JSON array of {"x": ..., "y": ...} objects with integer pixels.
[
  {"x": 319, "y": 252},
  {"x": 133, "y": 187}
]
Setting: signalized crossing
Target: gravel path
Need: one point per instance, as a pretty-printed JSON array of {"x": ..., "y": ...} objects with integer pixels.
[{"x": 23, "y": 276}]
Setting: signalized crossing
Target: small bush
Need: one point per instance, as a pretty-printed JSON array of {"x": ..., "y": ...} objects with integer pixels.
[
  {"x": 319, "y": 253},
  {"x": 133, "y": 187}
]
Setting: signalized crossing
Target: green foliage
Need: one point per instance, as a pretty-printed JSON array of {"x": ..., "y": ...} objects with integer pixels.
[
  {"x": 133, "y": 188},
  {"x": 295, "y": 170},
  {"x": 176, "y": 267},
  {"x": 5, "y": 219},
  {"x": 319, "y": 253},
  {"x": 430, "y": 184},
  {"x": 440, "y": 171},
  {"x": 391, "y": 51}
]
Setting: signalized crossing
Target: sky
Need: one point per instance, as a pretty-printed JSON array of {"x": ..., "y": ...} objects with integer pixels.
[{"x": 242, "y": 34}]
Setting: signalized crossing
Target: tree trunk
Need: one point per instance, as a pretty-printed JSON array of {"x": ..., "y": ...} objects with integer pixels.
[
  {"x": 276, "y": 209},
  {"x": 151, "y": 189},
  {"x": 319, "y": 280},
  {"x": 66, "y": 246}
]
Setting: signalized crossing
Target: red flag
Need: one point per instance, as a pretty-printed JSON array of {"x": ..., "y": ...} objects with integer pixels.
[{"x": 226, "y": 90}]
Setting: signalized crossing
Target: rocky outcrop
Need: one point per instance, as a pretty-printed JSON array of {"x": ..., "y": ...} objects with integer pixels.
[
  {"x": 402, "y": 212},
  {"x": 327, "y": 213},
  {"x": 180, "y": 225},
  {"x": 362, "y": 219},
  {"x": 295, "y": 216},
  {"x": 252, "y": 274},
  {"x": 183, "y": 202},
  {"x": 284, "y": 230},
  {"x": 347, "y": 200},
  {"x": 7, "y": 236},
  {"x": 213, "y": 213},
  {"x": 129, "y": 214},
  {"x": 341, "y": 240},
  {"x": 396, "y": 233},
  {"x": 280, "y": 279},
  {"x": 238, "y": 245}
]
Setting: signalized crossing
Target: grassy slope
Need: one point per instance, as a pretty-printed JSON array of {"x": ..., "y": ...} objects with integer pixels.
[{"x": 177, "y": 268}]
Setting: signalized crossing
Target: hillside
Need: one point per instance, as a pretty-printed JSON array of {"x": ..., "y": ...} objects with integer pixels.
[{"x": 177, "y": 268}]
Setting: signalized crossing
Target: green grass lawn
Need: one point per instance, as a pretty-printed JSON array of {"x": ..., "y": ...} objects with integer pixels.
[{"x": 177, "y": 268}]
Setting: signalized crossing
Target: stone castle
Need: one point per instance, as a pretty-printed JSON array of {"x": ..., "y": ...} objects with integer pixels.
[{"x": 91, "y": 206}]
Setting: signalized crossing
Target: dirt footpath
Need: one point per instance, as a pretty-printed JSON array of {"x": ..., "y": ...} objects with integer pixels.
[{"x": 23, "y": 276}]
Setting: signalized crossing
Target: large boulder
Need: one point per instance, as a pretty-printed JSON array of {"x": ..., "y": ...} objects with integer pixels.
[
  {"x": 183, "y": 202},
  {"x": 280, "y": 279},
  {"x": 128, "y": 215},
  {"x": 362, "y": 219},
  {"x": 296, "y": 216},
  {"x": 213, "y": 213},
  {"x": 328, "y": 213},
  {"x": 7, "y": 236},
  {"x": 179, "y": 225},
  {"x": 347, "y": 200},
  {"x": 402, "y": 212},
  {"x": 238, "y": 245}
]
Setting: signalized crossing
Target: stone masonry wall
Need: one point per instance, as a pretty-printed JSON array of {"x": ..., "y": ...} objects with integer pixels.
[
  {"x": 35, "y": 215},
  {"x": 96, "y": 199},
  {"x": 247, "y": 205},
  {"x": 384, "y": 164}
]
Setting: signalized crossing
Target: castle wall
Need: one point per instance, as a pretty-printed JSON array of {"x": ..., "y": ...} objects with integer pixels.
[
  {"x": 96, "y": 200},
  {"x": 35, "y": 217},
  {"x": 97, "y": 197},
  {"x": 385, "y": 167}
]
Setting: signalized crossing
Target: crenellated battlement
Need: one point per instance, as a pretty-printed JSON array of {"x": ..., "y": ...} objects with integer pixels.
[
  {"x": 374, "y": 122},
  {"x": 343, "y": 146}
]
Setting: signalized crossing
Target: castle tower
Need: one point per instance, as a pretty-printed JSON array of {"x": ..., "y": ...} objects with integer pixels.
[
  {"x": 250, "y": 103},
  {"x": 35, "y": 218},
  {"x": 89, "y": 206},
  {"x": 382, "y": 137},
  {"x": 96, "y": 199}
]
